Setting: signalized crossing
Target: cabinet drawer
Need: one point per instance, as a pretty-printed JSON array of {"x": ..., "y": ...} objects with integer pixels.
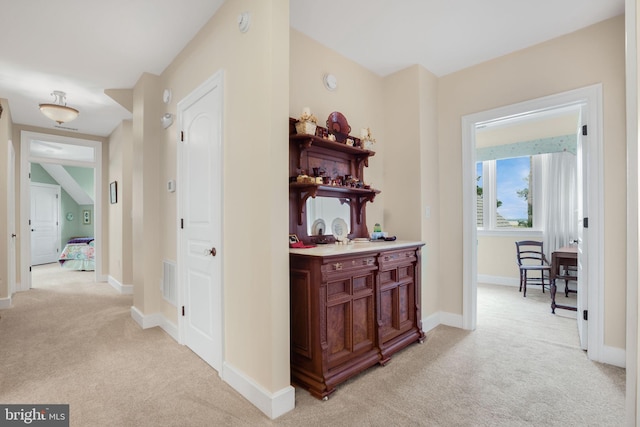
[
  {"x": 394, "y": 258},
  {"x": 346, "y": 265}
]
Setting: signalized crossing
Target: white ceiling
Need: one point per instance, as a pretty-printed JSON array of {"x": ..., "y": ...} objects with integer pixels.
[{"x": 85, "y": 47}]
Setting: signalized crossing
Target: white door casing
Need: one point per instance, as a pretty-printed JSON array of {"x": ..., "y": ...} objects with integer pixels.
[
  {"x": 45, "y": 223},
  {"x": 592, "y": 97},
  {"x": 582, "y": 157},
  {"x": 200, "y": 249},
  {"x": 11, "y": 220},
  {"x": 26, "y": 158}
]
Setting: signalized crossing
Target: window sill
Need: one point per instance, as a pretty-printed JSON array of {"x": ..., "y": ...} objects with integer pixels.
[{"x": 504, "y": 232}]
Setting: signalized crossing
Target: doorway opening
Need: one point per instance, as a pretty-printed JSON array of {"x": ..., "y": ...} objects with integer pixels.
[
  {"x": 591, "y": 98},
  {"x": 75, "y": 165}
]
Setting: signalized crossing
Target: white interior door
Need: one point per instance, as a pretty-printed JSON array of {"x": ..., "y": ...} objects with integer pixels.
[
  {"x": 201, "y": 214},
  {"x": 11, "y": 219},
  {"x": 582, "y": 213},
  {"x": 45, "y": 214}
]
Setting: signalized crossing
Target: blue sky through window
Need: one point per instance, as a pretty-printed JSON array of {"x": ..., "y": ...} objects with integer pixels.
[{"x": 511, "y": 177}]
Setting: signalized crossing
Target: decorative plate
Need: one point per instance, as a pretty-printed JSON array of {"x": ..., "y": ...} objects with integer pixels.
[
  {"x": 337, "y": 125},
  {"x": 318, "y": 228},
  {"x": 339, "y": 229}
]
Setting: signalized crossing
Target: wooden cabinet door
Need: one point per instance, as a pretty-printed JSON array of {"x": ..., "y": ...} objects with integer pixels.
[
  {"x": 397, "y": 302},
  {"x": 350, "y": 316}
]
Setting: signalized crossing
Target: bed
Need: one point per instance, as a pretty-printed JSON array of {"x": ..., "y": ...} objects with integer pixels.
[{"x": 78, "y": 254}]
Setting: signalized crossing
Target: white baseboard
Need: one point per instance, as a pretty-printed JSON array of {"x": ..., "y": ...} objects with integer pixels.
[
  {"x": 123, "y": 289},
  {"x": 153, "y": 320},
  {"x": 614, "y": 356},
  {"x": 170, "y": 328},
  {"x": 498, "y": 280},
  {"x": 272, "y": 404},
  {"x": 441, "y": 318},
  {"x": 5, "y": 303},
  {"x": 430, "y": 322},
  {"x": 451, "y": 319},
  {"x": 146, "y": 321}
]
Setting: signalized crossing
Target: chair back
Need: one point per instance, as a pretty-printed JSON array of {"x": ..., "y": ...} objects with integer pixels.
[{"x": 530, "y": 252}]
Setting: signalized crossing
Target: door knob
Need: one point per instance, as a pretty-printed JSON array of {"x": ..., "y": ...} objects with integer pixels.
[
  {"x": 13, "y": 235},
  {"x": 211, "y": 252}
]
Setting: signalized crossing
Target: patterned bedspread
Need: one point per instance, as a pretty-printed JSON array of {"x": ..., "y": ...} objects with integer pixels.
[{"x": 78, "y": 256}]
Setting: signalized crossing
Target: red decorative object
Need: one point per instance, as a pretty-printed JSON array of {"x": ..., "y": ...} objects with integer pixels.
[{"x": 337, "y": 125}]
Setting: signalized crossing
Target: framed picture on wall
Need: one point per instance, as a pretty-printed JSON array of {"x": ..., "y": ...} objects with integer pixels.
[
  {"x": 113, "y": 192},
  {"x": 86, "y": 216}
]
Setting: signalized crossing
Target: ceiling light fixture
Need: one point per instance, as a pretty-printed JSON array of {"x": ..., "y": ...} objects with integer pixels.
[
  {"x": 59, "y": 112},
  {"x": 244, "y": 21}
]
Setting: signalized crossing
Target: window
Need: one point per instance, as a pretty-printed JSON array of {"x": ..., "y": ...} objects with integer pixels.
[{"x": 507, "y": 191}]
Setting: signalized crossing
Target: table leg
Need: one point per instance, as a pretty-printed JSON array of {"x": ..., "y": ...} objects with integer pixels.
[{"x": 553, "y": 296}]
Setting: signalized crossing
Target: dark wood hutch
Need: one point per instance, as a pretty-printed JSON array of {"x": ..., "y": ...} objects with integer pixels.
[
  {"x": 352, "y": 306},
  {"x": 338, "y": 159}
]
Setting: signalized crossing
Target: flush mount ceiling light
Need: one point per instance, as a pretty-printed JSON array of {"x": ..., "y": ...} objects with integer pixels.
[
  {"x": 330, "y": 81},
  {"x": 244, "y": 21},
  {"x": 59, "y": 112}
]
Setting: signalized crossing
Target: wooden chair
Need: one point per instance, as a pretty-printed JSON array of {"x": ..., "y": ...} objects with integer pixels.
[{"x": 533, "y": 265}]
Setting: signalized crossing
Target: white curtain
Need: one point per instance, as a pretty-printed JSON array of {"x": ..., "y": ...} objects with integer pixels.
[{"x": 560, "y": 200}]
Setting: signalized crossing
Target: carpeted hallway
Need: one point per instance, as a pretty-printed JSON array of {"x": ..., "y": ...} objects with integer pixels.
[{"x": 72, "y": 341}]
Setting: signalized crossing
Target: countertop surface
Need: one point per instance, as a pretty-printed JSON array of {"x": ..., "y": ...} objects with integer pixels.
[{"x": 353, "y": 248}]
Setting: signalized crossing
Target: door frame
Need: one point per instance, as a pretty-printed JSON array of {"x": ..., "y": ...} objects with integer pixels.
[
  {"x": 25, "y": 196},
  {"x": 208, "y": 85},
  {"x": 58, "y": 189},
  {"x": 11, "y": 219},
  {"x": 592, "y": 97}
]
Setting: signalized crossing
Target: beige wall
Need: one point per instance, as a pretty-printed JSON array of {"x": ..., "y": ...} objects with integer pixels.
[
  {"x": 145, "y": 209},
  {"x": 255, "y": 191},
  {"x": 429, "y": 192},
  {"x": 359, "y": 96},
  {"x": 497, "y": 256},
  {"x": 120, "y": 265},
  {"x": 411, "y": 169},
  {"x": 592, "y": 55}
]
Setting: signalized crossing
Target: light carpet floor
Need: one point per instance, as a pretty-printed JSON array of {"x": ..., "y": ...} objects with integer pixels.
[{"x": 72, "y": 341}]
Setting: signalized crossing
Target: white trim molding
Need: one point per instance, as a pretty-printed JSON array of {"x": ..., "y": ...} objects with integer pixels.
[
  {"x": 430, "y": 322},
  {"x": 119, "y": 287},
  {"x": 498, "y": 280},
  {"x": 591, "y": 96},
  {"x": 146, "y": 321},
  {"x": 451, "y": 319},
  {"x": 271, "y": 404},
  {"x": 5, "y": 303},
  {"x": 614, "y": 356},
  {"x": 26, "y": 137}
]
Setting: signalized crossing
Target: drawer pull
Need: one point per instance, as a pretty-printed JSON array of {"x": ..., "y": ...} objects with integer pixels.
[
  {"x": 367, "y": 261},
  {"x": 337, "y": 266}
]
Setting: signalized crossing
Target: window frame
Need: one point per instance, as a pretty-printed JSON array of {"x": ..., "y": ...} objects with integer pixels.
[{"x": 489, "y": 193}]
